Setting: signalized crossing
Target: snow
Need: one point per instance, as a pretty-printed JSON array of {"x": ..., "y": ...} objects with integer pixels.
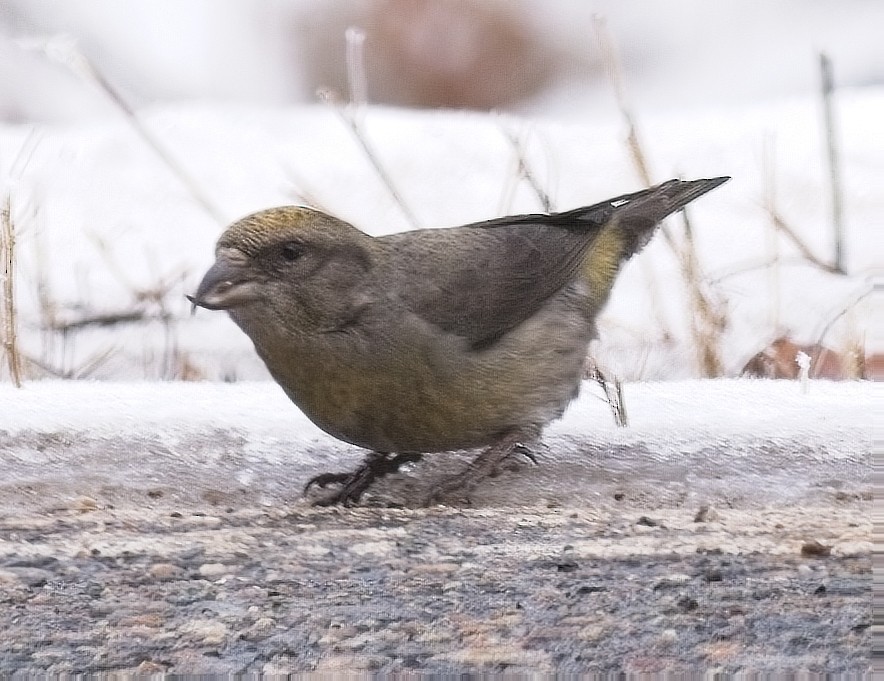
[
  {"x": 744, "y": 441},
  {"x": 675, "y": 411},
  {"x": 103, "y": 226}
]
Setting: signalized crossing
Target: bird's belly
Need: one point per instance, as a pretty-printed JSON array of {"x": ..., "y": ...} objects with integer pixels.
[
  {"x": 402, "y": 417},
  {"x": 419, "y": 405}
]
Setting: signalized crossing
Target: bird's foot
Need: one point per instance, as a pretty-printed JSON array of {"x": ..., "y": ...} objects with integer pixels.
[
  {"x": 353, "y": 485},
  {"x": 526, "y": 451},
  {"x": 485, "y": 465}
]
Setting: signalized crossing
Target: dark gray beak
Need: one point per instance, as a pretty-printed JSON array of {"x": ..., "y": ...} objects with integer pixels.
[{"x": 228, "y": 283}]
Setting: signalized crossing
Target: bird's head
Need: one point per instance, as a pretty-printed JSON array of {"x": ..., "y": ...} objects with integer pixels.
[{"x": 289, "y": 262}]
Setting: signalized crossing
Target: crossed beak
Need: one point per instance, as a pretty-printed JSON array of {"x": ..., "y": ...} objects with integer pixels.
[{"x": 228, "y": 283}]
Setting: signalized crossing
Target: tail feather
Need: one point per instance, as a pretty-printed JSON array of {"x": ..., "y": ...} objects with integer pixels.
[
  {"x": 629, "y": 223},
  {"x": 639, "y": 215}
]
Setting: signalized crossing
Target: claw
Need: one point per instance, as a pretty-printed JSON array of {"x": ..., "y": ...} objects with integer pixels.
[
  {"x": 353, "y": 485},
  {"x": 323, "y": 480},
  {"x": 483, "y": 466},
  {"x": 525, "y": 451}
]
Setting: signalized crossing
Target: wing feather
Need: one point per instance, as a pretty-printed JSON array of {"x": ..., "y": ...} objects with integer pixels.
[{"x": 479, "y": 281}]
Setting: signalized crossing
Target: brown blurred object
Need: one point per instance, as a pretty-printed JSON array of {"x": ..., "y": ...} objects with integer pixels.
[
  {"x": 473, "y": 54},
  {"x": 873, "y": 367},
  {"x": 777, "y": 360}
]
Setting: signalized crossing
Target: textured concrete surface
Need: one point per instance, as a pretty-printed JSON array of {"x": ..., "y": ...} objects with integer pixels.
[{"x": 162, "y": 528}]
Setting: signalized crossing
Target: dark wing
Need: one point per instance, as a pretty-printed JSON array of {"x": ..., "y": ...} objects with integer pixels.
[
  {"x": 480, "y": 283},
  {"x": 481, "y": 280}
]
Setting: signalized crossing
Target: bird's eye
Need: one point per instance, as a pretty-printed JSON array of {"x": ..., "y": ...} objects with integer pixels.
[{"x": 290, "y": 252}]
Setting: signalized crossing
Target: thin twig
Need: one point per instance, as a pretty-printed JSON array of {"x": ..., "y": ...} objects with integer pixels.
[
  {"x": 508, "y": 195},
  {"x": 781, "y": 224},
  {"x": 623, "y": 419},
  {"x": 110, "y": 319},
  {"x": 26, "y": 153},
  {"x": 300, "y": 190},
  {"x": 7, "y": 251},
  {"x": 768, "y": 162},
  {"x": 93, "y": 363},
  {"x": 751, "y": 266},
  {"x": 526, "y": 172},
  {"x": 706, "y": 324},
  {"x": 613, "y": 389},
  {"x": 352, "y": 114},
  {"x": 87, "y": 367},
  {"x": 869, "y": 288},
  {"x": 770, "y": 203},
  {"x": 65, "y": 51},
  {"x": 189, "y": 182},
  {"x": 43, "y": 366},
  {"x": 611, "y": 59},
  {"x": 356, "y": 78},
  {"x": 349, "y": 118},
  {"x": 833, "y": 157}
]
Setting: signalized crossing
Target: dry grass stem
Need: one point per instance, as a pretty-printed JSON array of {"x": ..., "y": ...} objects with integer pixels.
[
  {"x": 611, "y": 59},
  {"x": 525, "y": 172},
  {"x": 7, "y": 253},
  {"x": 508, "y": 195},
  {"x": 26, "y": 153},
  {"x": 747, "y": 266},
  {"x": 45, "y": 367},
  {"x": 707, "y": 325},
  {"x": 301, "y": 190},
  {"x": 350, "y": 119},
  {"x": 148, "y": 305},
  {"x": 93, "y": 363},
  {"x": 352, "y": 114},
  {"x": 356, "y": 80},
  {"x": 613, "y": 390},
  {"x": 869, "y": 288},
  {"x": 84, "y": 370},
  {"x": 65, "y": 51},
  {"x": 190, "y": 183},
  {"x": 780, "y": 223},
  {"x": 768, "y": 157},
  {"x": 106, "y": 319},
  {"x": 833, "y": 157}
]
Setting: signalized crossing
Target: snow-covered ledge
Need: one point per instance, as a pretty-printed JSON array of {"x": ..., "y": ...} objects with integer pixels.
[{"x": 725, "y": 443}]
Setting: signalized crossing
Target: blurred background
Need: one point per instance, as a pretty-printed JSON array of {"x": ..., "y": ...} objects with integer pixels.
[
  {"x": 532, "y": 57},
  {"x": 132, "y": 131}
]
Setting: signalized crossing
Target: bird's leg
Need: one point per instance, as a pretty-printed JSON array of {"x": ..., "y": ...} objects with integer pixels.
[
  {"x": 376, "y": 465},
  {"x": 485, "y": 464}
]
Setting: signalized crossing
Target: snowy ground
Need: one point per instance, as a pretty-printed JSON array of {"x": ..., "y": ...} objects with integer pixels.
[
  {"x": 746, "y": 442},
  {"x": 160, "y": 527},
  {"x": 105, "y": 229}
]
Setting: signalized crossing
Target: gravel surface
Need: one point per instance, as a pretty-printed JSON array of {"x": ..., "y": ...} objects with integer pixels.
[
  {"x": 152, "y": 586},
  {"x": 94, "y": 589},
  {"x": 193, "y": 552}
]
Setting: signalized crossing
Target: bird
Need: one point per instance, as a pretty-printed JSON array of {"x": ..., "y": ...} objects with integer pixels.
[{"x": 430, "y": 340}]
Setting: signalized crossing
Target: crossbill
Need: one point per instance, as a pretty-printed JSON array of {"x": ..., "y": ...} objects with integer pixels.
[{"x": 430, "y": 340}]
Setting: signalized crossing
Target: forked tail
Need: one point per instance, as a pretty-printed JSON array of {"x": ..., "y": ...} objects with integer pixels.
[{"x": 630, "y": 222}]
